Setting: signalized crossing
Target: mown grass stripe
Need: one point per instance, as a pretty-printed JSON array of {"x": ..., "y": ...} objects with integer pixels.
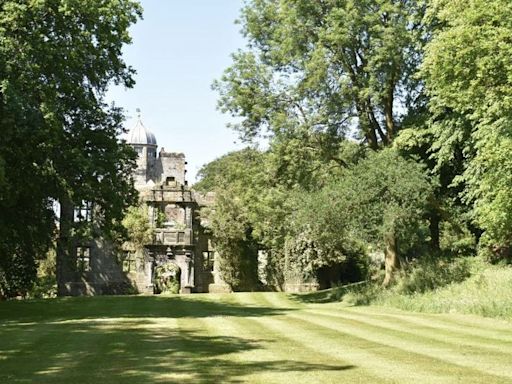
[
  {"x": 280, "y": 299},
  {"x": 437, "y": 363},
  {"x": 422, "y": 332},
  {"x": 388, "y": 364},
  {"x": 284, "y": 359},
  {"x": 258, "y": 299},
  {"x": 493, "y": 328},
  {"x": 469, "y": 359}
]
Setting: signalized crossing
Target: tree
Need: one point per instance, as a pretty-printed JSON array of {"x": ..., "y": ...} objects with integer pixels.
[
  {"x": 237, "y": 179},
  {"x": 466, "y": 71},
  {"x": 59, "y": 138},
  {"x": 369, "y": 204},
  {"x": 139, "y": 230},
  {"x": 325, "y": 66},
  {"x": 315, "y": 72}
]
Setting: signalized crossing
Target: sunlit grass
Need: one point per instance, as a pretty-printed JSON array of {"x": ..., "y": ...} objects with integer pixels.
[{"x": 246, "y": 337}]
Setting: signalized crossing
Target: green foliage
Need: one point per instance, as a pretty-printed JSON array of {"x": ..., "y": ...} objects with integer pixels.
[
  {"x": 232, "y": 236},
  {"x": 323, "y": 67},
  {"x": 45, "y": 285},
  {"x": 167, "y": 278},
  {"x": 487, "y": 292},
  {"x": 231, "y": 170},
  {"x": 17, "y": 275},
  {"x": 239, "y": 181},
  {"x": 139, "y": 230},
  {"x": 421, "y": 276},
  {"x": 381, "y": 193},
  {"x": 363, "y": 294},
  {"x": 456, "y": 239},
  {"x": 305, "y": 231},
  {"x": 437, "y": 285},
  {"x": 428, "y": 274},
  {"x": 59, "y": 137},
  {"x": 465, "y": 70},
  {"x": 304, "y": 257}
]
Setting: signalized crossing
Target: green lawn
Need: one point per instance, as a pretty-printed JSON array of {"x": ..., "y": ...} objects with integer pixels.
[{"x": 246, "y": 337}]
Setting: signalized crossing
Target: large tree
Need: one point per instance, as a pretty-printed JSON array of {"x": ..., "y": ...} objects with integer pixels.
[
  {"x": 59, "y": 140},
  {"x": 467, "y": 71},
  {"x": 367, "y": 205},
  {"x": 317, "y": 71},
  {"x": 325, "y": 66}
]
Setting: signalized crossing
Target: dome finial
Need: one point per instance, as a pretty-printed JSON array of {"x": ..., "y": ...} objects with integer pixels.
[{"x": 139, "y": 134}]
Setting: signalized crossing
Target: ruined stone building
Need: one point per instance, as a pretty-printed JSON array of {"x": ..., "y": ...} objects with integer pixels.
[{"x": 180, "y": 249}]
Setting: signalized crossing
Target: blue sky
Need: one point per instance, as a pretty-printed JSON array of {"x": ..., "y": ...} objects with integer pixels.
[{"x": 178, "y": 49}]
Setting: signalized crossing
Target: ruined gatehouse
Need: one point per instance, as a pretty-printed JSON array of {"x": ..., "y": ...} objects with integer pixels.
[{"x": 92, "y": 265}]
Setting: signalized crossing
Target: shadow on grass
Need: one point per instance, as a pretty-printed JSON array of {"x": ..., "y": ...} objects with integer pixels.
[
  {"x": 126, "y": 306},
  {"x": 330, "y": 295},
  {"x": 132, "y": 351}
]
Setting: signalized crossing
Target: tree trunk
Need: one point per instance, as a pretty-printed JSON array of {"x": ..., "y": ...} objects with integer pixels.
[
  {"x": 392, "y": 259},
  {"x": 388, "y": 109},
  {"x": 433, "y": 226}
]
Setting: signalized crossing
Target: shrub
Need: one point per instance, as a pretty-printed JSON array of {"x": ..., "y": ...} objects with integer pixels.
[{"x": 427, "y": 274}]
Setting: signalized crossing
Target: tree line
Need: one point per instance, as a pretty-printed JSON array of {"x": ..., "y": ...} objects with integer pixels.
[{"x": 388, "y": 125}]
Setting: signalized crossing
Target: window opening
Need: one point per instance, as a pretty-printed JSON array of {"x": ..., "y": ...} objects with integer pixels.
[
  {"x": 83, "y": 212},
  {"x": 83, "y": 259},
  {"x": 129, "y": 262},
  {"x": 208, "y": 258}
]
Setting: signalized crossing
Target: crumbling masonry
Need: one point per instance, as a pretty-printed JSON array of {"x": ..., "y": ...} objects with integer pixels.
[{"x": 93, "y": 266}]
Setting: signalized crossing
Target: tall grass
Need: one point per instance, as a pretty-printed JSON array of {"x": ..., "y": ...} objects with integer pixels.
[
  {"x": 487, "y": 292},
  {"x": 463, "y": 285}
]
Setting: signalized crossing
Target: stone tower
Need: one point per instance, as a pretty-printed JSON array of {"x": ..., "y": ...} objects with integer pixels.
[
  {"x": 144, "y": 143},
  {"x": 179, "y": 239}
]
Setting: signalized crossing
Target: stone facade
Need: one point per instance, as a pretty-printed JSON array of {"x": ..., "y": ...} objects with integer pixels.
[{"x": 93, "y": 266}]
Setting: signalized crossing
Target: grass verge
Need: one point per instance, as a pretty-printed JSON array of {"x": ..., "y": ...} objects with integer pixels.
[{"x": 465, "y": 285}]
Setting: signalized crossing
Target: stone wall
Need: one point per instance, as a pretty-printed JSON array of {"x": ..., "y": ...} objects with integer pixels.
[{"x": 170, "y": 169}]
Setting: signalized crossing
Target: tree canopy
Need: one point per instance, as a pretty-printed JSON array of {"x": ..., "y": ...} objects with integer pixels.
[
  {"x": 467, "y": 70},
  {"x": 325, "y": 66},
  {"x": 329, "y": 82},
  {"x": 59, "y": 138}
]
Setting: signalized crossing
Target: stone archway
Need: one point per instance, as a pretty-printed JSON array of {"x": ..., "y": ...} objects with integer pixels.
[{"x": 167, "y": 278}]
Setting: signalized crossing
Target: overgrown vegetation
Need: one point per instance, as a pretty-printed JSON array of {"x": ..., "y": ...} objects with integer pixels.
[
  {"x": 167, "y": 278},
  {"x": 45, "y": 285},
  {"x": 139, "y": 230},
  {"x": 388, "y": 132},
  {"x": 467, "y": 285}
]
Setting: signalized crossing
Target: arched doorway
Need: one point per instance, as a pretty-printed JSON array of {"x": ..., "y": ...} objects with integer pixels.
[{"x": 167, "y": 278}]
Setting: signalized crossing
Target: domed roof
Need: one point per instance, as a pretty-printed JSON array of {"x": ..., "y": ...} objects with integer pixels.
[{"x": 139, "y": 134}]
